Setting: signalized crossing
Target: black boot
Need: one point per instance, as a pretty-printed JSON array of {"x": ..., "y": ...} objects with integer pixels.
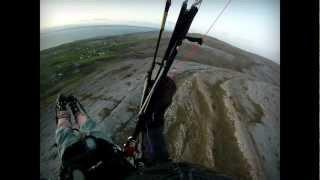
[
  {"x": 61, "y": 105},
  {"x": 73, "y": 104}
]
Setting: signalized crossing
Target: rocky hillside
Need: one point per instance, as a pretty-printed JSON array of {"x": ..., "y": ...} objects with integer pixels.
[{"x": 225, "y": 114}]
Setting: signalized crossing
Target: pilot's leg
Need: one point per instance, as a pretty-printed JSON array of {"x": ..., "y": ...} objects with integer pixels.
[{"x": 65, "y": 136}]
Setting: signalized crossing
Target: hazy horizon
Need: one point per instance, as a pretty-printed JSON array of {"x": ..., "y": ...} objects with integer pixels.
[{"x": 253, "y": 25}]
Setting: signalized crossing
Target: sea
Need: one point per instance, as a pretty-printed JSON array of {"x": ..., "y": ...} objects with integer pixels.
[{"x": 57, "y": 36}]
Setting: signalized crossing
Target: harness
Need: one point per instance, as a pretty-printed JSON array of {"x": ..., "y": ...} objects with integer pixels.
[{"x": 95, "y": 158}]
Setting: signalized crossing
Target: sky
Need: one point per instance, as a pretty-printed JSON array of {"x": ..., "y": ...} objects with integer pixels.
[{"x": 253, "y": 25}]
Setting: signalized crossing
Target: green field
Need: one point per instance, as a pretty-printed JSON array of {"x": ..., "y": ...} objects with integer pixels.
[{"x": 69, "y": 63}]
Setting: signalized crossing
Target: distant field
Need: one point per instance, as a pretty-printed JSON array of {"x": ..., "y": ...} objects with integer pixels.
[
  {"x": 55, "y": 37},
  {"x": 70, "y": 62}
]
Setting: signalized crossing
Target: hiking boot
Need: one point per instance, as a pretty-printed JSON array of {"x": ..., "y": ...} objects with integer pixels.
[
  {"x": 73, "y": 104},
  {"x": 61, "y": 107},
  {"x": 61, "y": 103}
]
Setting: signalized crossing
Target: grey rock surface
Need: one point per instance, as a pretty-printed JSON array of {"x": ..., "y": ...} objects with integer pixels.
[{"x": 225, "y": 114}]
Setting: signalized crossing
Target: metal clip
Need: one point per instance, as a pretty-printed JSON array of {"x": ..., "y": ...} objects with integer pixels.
[{"x": 96, "y": 166}]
